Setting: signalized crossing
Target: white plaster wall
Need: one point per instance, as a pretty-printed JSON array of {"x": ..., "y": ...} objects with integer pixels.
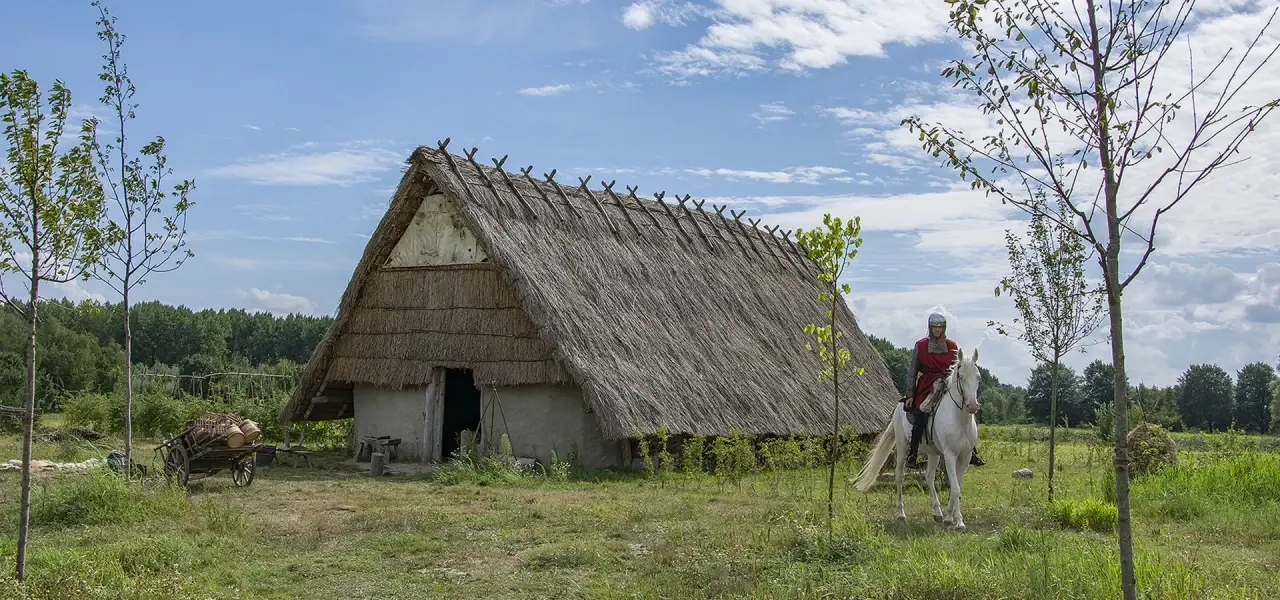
[
  {"x": 540, "y": 417},
  {"x": 397, "y": 413},
  {"x": 436, "y": 236}
]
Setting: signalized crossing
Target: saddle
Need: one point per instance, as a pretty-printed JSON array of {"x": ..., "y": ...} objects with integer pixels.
[{"x": 927, "y": 407}]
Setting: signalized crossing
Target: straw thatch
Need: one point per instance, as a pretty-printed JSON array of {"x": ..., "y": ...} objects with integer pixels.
[{"x": 659, "y": 312}]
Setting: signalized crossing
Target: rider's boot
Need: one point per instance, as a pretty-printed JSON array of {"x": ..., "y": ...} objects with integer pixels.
[
  {"x": 976, "y": 460},
  {"x": 917, "y": 432}
]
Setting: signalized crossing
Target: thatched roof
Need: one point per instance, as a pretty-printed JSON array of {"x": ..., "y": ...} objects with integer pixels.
[{"x": 662, "y": 313}]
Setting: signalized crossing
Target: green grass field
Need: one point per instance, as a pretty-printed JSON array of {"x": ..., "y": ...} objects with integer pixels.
[{"x": 1207, "y": 529}]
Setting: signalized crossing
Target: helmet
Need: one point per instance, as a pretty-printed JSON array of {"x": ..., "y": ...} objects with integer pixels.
[{"x": 937, "y": 319}]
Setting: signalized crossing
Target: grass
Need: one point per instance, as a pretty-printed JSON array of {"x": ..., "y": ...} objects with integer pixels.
[{"x": 1209, "y": 528}]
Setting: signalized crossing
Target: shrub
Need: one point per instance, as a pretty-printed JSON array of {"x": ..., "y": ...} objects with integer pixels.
[{"x": 92, "y": 411}]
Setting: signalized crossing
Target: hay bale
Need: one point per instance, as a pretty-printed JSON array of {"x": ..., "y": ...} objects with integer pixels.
[{"x": 1151, "y": 448}]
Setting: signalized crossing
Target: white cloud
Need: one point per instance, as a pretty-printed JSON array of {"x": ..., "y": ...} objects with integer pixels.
[
  {"x": 772, "y": 112},
  {"x": 263, "y": 212},
  {"x": 547, "y": 90},
  {"x": 240, "y": 263},
  {"x": 646, "y": 13},
  {"x": 810, "y": 175},
  {"x": 810, "y": 34},
  {"x": 354, "y": 163},
  {"x": 1176, "y": 314},
  {"x": 253, "y": 127},
  {"x": 277, "y": 302}
]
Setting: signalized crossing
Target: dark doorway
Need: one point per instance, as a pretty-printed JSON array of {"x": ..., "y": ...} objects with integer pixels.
[{"x": 461, "y": 409}]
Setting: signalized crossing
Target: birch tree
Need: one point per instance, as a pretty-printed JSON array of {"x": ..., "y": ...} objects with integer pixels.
[
  {"x": 143, "y": 238},
  {"x": 1089, "y": 105},
  {"x": 51, "y": 211},
  {"x": 1058, "y": 309}
]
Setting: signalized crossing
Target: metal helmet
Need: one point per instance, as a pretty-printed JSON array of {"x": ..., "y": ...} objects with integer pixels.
[{"x": 937, "y": 319}]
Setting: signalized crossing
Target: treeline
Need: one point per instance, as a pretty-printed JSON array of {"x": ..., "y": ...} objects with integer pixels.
[
  {"x": 1205, "y": 398},
  {"x": 80, "y": 346},
  {"x": 80, "y": 350}
]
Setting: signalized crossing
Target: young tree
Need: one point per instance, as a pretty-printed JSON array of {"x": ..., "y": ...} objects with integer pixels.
[
  {"x": 1057, "y": 307},
  {"x": 51, "y": 211},
  {"x": 142, "y": 239},
  {"x": 1274, "y": 389},
  {"x": 1071, "y": 88},
  {"x": 832, "y": 249}
]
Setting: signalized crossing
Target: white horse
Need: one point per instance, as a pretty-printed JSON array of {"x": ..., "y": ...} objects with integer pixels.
[{"x": 952, "y": 435}]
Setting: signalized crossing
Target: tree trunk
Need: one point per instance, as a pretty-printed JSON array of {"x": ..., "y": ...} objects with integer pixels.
[
  {"x": 1053, "y": 420},
  {"x": 835, "y": 439},
  {"x": 24, "y": 510},
  {"x": 128, "y": 383},
  {"x": 1111, "y": 275},
  {"x": 1124, "y": 524}
]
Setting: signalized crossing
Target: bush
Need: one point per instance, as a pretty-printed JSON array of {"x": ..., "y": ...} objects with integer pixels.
[{"x": 93, "y": 411}]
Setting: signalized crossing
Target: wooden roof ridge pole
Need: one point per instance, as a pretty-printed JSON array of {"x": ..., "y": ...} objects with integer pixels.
[
  {"x": 737, "y": 219},
  {"x": 453, "y": 166},
  {"x": 773, "y": 233},
  {"x": 674, "y": 218},
  {"x": 755, "y": 226},
  {"x": 800, "y": 251},
  {"x": 723, "y": 221},
  {"x": 545, "y": 198},
  {"x": 582, "y": 185},
  {"x": 551, "y": 179},
  {"x": 631, "y": 191},
  {"x": 511, "y": 185},
  {"x": 471, "y": 157},
  {"x": 608, "y": 187},
  {"x": 695, "y": 221}
]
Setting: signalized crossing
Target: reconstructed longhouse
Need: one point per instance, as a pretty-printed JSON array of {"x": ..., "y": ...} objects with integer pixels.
[{"x": 571, "y": 318}]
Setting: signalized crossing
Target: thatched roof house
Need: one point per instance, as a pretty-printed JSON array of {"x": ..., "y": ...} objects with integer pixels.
[{"x": 563, "y": 315}]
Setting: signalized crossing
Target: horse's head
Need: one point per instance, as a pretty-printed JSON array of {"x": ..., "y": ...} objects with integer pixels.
[{"x": 967, "y": 378}]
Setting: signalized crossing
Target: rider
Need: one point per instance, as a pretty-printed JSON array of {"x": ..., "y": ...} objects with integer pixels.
[{"x": 930, "y": 358}]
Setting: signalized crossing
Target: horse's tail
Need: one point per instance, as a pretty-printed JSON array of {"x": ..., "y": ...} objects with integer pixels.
[{"x": 879, "y": 454}]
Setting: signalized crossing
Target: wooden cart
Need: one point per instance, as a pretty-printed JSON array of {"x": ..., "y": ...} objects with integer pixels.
[{"x": 185, "y": 455}]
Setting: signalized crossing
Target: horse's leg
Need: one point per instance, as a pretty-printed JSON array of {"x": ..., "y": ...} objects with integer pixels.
[
  {"x": 931, "y": 472},
  {"x": 961, "y": 464},
  {"x": 900, "y": 461},
  {"x": 949, "y": 462}
]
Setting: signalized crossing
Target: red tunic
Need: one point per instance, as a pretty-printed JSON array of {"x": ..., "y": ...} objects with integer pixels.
[{"x": 931, "y": 368}]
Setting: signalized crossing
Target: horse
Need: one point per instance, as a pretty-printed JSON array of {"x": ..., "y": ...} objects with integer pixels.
[{"x": 951, "y": 436}]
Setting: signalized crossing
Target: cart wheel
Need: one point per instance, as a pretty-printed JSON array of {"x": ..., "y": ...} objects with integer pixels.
[
  {"x": 177, "y": 463},
  {"x": 242, "y": 472}
]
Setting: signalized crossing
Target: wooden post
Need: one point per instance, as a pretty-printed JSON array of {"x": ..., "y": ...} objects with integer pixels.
[
  {"x": 377, "y": 462},
  {"x": 471, "y": 158}
]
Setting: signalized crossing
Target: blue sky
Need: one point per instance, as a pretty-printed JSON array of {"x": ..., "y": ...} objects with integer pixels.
[{"x": 295, "y": 119}]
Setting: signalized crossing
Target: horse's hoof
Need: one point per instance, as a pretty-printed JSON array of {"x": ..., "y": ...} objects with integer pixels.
[
  {"x": 902, "y": 518},
  {"x": 937, "y": 518},
  {"x": 946, "y": 522},
  {"x": 960, "y": 528}
]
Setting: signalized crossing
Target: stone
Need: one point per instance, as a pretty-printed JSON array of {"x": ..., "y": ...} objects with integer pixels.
[{"x": 1023, "y": 474}]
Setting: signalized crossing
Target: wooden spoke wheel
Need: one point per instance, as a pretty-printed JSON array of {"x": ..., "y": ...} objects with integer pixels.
[
  {"x": 243, "y": 471},
  {"x": 177, "y": 464}
]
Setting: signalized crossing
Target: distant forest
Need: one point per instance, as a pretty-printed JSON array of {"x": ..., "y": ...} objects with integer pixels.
[{"x": 81, "y": 350}]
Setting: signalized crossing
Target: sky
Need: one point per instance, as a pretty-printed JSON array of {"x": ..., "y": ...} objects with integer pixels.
[{"x": 294, "y": 120}]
